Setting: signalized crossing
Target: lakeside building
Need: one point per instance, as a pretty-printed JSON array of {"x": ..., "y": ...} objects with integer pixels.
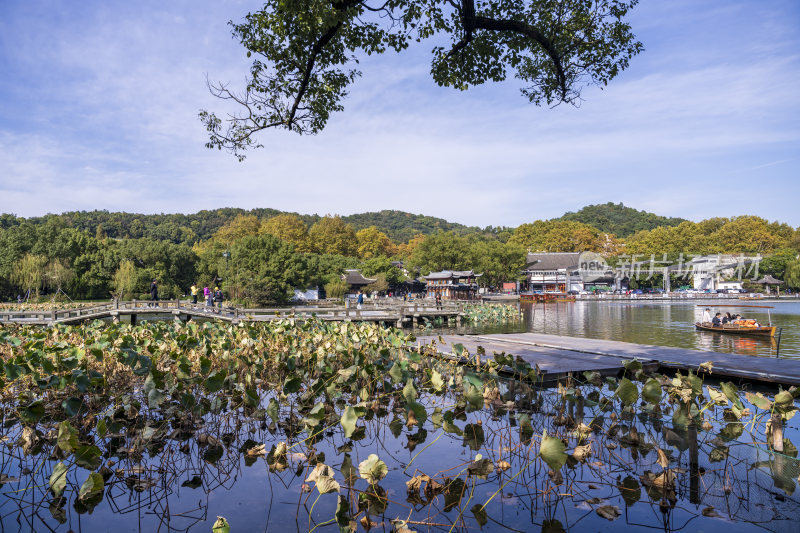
[
  {"x": 452, "y": 284},
  {"x": 707, "y": 272},
  {"x": 553, "y": 272},
  {"x": 355, "y": 280},
  {"x": 719, "y": 271}
]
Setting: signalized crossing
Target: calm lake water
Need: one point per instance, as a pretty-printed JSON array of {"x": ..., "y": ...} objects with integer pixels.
[
  {"x": 183, "y": 486},
  {"x": 664, "y": 324}
]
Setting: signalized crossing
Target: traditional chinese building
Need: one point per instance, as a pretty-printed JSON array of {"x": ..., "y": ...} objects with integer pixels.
[
  {"x": 452, "y": 284},
  {"x": 553, "y": 272},
  {"x": 355, "y": 280}
]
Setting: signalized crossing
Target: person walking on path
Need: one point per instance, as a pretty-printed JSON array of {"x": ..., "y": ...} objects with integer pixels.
[
  {"x": 209, "y": 297},
  {"x": 206, "y": 294},
  {"x": 154, "y": 293},
  {"x": 218, "y": 297},
  {"x": 438, "y": 301},
  {"x": 360, "y": 300},
  {"x": 194, "y": 293}
]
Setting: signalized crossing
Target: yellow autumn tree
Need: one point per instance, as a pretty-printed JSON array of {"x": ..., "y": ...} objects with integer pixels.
[
  {"x": 406, "y": 249},
  {"x": 288, "y": 228},
  {"x": 240, "y": 227},
  {"x": 332, "y": 235},
  {"x": 372, "y": 242},
  {"x": 558, "y": 236},
  {"x": 747, "y": 234}
]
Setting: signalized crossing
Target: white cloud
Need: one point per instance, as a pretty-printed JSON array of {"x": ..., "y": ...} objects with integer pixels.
[{"x": 120, "y": 132}]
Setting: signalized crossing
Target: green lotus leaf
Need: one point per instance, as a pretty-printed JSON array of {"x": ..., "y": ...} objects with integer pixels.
[{"x": 552, "y": 452}]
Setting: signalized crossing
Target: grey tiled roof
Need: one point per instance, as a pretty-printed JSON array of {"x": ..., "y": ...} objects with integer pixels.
[
  {"x": 354, "y": 277},
  {"x": 553, "y": 261}
]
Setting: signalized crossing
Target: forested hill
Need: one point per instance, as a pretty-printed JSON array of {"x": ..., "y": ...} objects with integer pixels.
[
  {"x": 188, "y": 229},
  {"x": 618, "y": 219},
  {"x": 401, "y": 226}
]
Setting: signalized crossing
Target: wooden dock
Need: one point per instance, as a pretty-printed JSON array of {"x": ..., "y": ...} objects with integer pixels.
[
  {"x": 390, "y": 312},
  {"x": 557, "y": 356}
]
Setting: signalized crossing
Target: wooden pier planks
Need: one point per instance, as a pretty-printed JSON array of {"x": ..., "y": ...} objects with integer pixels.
[
  {"x": 578, "y": 354},
  {"x": 555, "y": 363}
]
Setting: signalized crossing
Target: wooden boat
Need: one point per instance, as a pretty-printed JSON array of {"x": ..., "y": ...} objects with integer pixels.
[
  {"x": 546, "y": 297},
  {"x": 760, "y": 331},
  {"x": 747, "y": 328}
]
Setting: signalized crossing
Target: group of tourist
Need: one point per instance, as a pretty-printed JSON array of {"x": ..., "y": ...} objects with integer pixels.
[
  {"x": 718, "y": 320},
  {"x": 212, "y": 298}
]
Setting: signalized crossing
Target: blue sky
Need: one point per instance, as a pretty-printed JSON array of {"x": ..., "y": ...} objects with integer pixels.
[{"x": 99, "y": 102}]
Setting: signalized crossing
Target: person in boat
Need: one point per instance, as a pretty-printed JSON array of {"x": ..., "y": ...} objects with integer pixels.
[
  {"x": 727, "y": 319},
  {"x": 717, "y": 321},
  {"x": 707, "y": 315}
]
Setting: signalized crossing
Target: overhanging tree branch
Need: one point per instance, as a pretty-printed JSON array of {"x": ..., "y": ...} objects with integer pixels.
[{"x": 304, "y": 49}]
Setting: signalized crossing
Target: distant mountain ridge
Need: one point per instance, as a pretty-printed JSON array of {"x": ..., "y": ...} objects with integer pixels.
[
  {"x": 619, "y": 219},
  {"x": 178, "y": 228},
  {"x": 400, "y": 226}
]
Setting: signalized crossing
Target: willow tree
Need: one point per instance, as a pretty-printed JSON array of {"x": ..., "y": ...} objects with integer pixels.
[
  {"x": 57, "y": 276},
  {"x": 125, "y": 279},
  {"x": 28, "y": 273},
  {"x": 305, "y": 52}
]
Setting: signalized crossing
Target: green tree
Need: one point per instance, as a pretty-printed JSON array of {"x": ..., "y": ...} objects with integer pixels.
[
  {"x": 442, "y": 251},
  {"x": 269, "y": 269},
  {"x": 777, "y": 263},
  {"x": 305, "y": 52},
  {"x": 380, "y": 284},
  {"x": 383, "y": 266},
  {"x": 685, "y": 238},
  {"x": 336, "y": 289},
  {"x": 331, "y": 235},
  {"x": 323, "y": 268},
  {"x": 792, "y": 274},
  {"x": 617, "y": 219},
  {"x": 498, "y": 262}
]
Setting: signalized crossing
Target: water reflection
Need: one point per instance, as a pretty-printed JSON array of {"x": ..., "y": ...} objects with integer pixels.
[
  {"x": 667, "y": 324},
  {"x": 179, "y": 475}
]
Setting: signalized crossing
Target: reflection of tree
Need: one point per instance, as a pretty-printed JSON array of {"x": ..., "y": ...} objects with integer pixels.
[{"x": 168, "y": 466}]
